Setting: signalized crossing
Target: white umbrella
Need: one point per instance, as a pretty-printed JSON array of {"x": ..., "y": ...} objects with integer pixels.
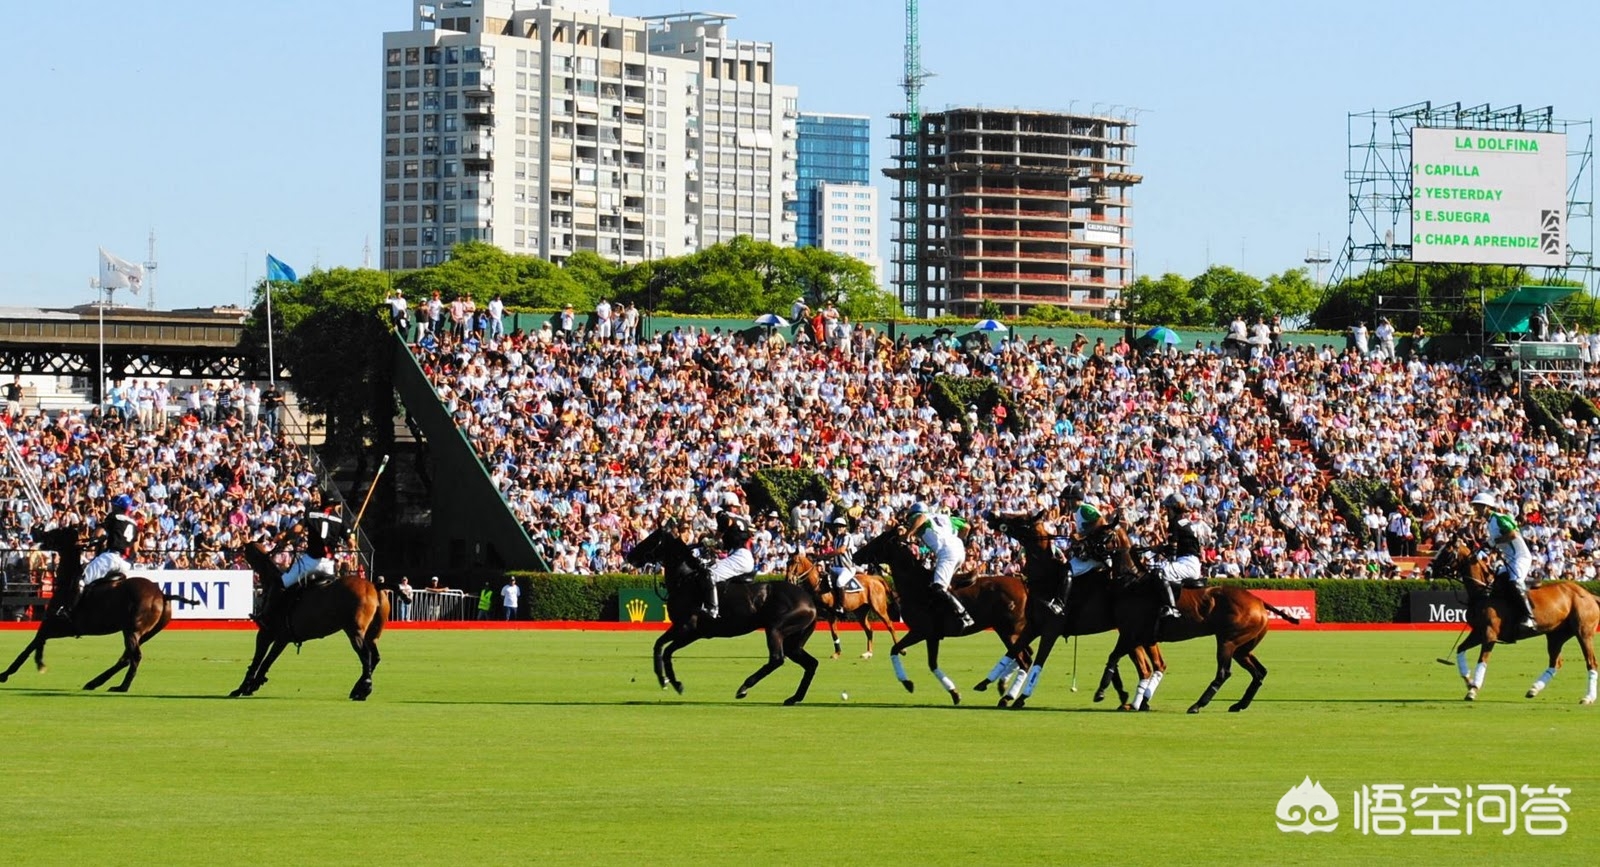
[
  {"x": 773, "y": 320},
  {"x": 989, "y": 325}
]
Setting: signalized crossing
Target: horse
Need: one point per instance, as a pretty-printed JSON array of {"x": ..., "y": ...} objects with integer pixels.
[
  {"x": 869, "y": 602},
  {"x": 1561, "y": 610},
  {"x": 998, "y": 602},
  {"x": 348, "y": 604},
  {"x": 1091, "y": 607},
  {"x": 133, "y": 606},
  {"x": 1236, "y": 617},
  {"x": 784, "y": 611}
]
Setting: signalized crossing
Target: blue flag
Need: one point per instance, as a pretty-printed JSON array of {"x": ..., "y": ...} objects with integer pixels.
[{"x": 277, "y": 272}]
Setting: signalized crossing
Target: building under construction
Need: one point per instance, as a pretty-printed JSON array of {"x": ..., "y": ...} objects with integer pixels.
[{"x": 1022, "y": 208}]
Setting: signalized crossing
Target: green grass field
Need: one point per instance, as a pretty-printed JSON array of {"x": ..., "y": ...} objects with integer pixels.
[{"x": 504, "y": 747}]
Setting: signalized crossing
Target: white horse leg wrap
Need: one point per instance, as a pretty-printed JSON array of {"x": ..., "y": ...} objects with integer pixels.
[
  {"x": 1155, "y": 681},
  {"x": 1461, "y": 664},
  {"x": 899, "y": 667},
  {"x": 939, "y": 675},
  {"x": 1033, "y": 679},
  {"x": 1594, "y": 682},
  {"x": 1140, "y": 693},
  {"x": 1477, "y": 675}
]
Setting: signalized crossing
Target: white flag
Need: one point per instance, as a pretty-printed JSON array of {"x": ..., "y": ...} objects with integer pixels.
[{"x": 119, "y": 273}]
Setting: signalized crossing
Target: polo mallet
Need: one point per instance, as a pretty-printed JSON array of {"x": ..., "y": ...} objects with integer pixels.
[
  {"x": 1074, "y": 663},
  {"x": 1441, "y": 660},
  {"x": 370, "y": 488}
]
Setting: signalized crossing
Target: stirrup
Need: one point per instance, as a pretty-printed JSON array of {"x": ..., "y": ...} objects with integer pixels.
[
  {"x": 1055, "y": 606},
  {"x": 1170, "y": 611}
]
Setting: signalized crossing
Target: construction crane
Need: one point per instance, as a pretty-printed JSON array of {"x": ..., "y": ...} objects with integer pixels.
[{"x": 911, "y": 162}]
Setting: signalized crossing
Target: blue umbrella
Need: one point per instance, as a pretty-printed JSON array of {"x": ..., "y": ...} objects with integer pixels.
[
  {"x": 1162, "y": 334},
  {"x": 989, "y": 325},
  {"x": 772, "y": 320}
]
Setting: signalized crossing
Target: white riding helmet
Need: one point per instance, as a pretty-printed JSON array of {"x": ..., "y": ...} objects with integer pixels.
[
  {"x": 1484, "y": 499},
  {"x": 1174, "y": 501}
]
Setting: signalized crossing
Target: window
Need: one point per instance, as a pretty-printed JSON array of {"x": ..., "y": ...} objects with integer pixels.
[
  {"x": 392, "y": 57},
  {"x": 391, "y": 79},
  {"x": 413, "y": 76},
  {"x": 413, "y": 56}
]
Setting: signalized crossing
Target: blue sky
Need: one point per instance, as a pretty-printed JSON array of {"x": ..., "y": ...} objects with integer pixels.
[{"x": 234, "y": 128}]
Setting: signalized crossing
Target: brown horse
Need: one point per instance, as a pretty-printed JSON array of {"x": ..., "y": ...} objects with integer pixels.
[
  {"x": 1091, "y": 607},
  {"x": 348, "y": 604},
  {"x": 1236, "y": 617},
  {"x": 864, "y": 604},
  {"x": 135, "y": 607},
  {"x": 1561, "y": 610},
  {"x": 998, "y": 602},
  {"x": 785, "y": 612}
]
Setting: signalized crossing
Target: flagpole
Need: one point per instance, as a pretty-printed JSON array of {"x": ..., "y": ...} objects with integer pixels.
[
  {"x": 272, "y": 366},
  {"x": 100, "y": 399}
]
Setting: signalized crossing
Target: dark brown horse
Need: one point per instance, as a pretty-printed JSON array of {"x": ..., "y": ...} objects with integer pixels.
[
  {"x": 348, "y": 604},
  {"x": 998, "y": 602},
  {"x": 784, "y": 611},
  {"x": 135, "y": 607},
  {"x": 1561, "y": 610},
  {"x": 1236, "y": 617},
  {"x": 864, "y": 604},
  {"x": 1091, "y": 608}
]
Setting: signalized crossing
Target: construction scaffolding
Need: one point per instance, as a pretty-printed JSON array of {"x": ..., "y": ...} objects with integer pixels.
[
  {"x": 1380, "y": 172},
  {"x": 1015, "y": 207}
]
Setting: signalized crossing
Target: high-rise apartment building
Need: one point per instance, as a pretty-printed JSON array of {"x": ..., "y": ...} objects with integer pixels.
[
  {"x": 741, "y": 165},
  {"x": 1022, "y": 208},
  {"x": 835, "y": 207},
  {"x": 548, "y": 126}
]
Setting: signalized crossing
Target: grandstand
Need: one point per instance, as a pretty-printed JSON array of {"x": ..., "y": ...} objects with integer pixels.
[{"x": 559, "y": 454}]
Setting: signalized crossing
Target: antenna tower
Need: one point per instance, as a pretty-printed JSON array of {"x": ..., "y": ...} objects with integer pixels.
[{"x": 150, "y": 273}]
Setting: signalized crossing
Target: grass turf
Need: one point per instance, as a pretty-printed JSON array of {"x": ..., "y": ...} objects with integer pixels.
[{"x": 503, "y": 747}]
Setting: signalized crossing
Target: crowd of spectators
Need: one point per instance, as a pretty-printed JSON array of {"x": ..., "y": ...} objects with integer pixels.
[
  {"x": 594, "y": 436},
  {"x": 205, "y": 473},
  {"x": 593, "y": 441}
]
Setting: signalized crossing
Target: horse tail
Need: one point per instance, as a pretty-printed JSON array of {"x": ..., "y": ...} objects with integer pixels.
[{"x": 1293, "y": 620}]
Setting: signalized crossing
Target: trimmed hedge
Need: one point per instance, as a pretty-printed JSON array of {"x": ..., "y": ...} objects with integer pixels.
[
  {"x": 1339, "y": 600},
  {"x": 1352, "y": 496},
  {"x": 951, "y": 395},
  {"x": 779, "y": 488},
  {"x": 1548, "y": 407}
]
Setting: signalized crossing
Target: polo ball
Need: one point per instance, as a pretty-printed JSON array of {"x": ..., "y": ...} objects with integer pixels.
[{"x": 844, "y": 696}]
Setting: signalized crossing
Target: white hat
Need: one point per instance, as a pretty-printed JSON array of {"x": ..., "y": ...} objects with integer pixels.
[{"x": 1484, "y": 499}]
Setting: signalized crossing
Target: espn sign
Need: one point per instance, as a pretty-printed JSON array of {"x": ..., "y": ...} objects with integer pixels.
[{"x": 1298, "y": 603}]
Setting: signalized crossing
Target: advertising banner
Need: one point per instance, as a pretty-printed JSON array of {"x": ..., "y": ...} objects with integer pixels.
[
  {"x": 1300, "y": 603},
  {"x": 1437, "y": 606},
  {"x": 223, "y": 594}
]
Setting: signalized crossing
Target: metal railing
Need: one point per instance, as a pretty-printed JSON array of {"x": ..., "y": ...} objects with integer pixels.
[{"x": 30, "y": 484}]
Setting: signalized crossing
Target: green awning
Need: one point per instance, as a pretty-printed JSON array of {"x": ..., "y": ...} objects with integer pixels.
[{"x": 1509, "y": 313}]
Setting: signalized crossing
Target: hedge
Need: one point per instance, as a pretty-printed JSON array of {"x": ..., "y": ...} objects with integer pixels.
[
  {"x": 779, "y": 489},
  {"x": 1548, "y": 408},
  {"x": 1352, "y": 496},
  {"x": 1339, "y": 600},
  {"x": 951, "y": 395}
]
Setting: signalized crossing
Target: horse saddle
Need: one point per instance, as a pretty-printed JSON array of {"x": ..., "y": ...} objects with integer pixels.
[
  {"x": 314, "y": 580},
  {"x": 746, "y": 578}
]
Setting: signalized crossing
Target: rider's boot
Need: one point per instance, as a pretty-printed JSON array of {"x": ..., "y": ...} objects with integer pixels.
[
  {"x": 1171, "y": 608},
  {"x": 956, "y": 607},
  {"x": 711, "y": 598},
  {"x": 1527, "y": 608}
]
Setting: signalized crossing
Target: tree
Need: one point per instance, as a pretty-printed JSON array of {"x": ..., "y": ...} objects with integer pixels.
[
  {"x": 1166, "y": 301},
  {"x": 1229, "y": 293},
  {"x": 1290, "y": 294},
  {"x": 330, "y": 331}
]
